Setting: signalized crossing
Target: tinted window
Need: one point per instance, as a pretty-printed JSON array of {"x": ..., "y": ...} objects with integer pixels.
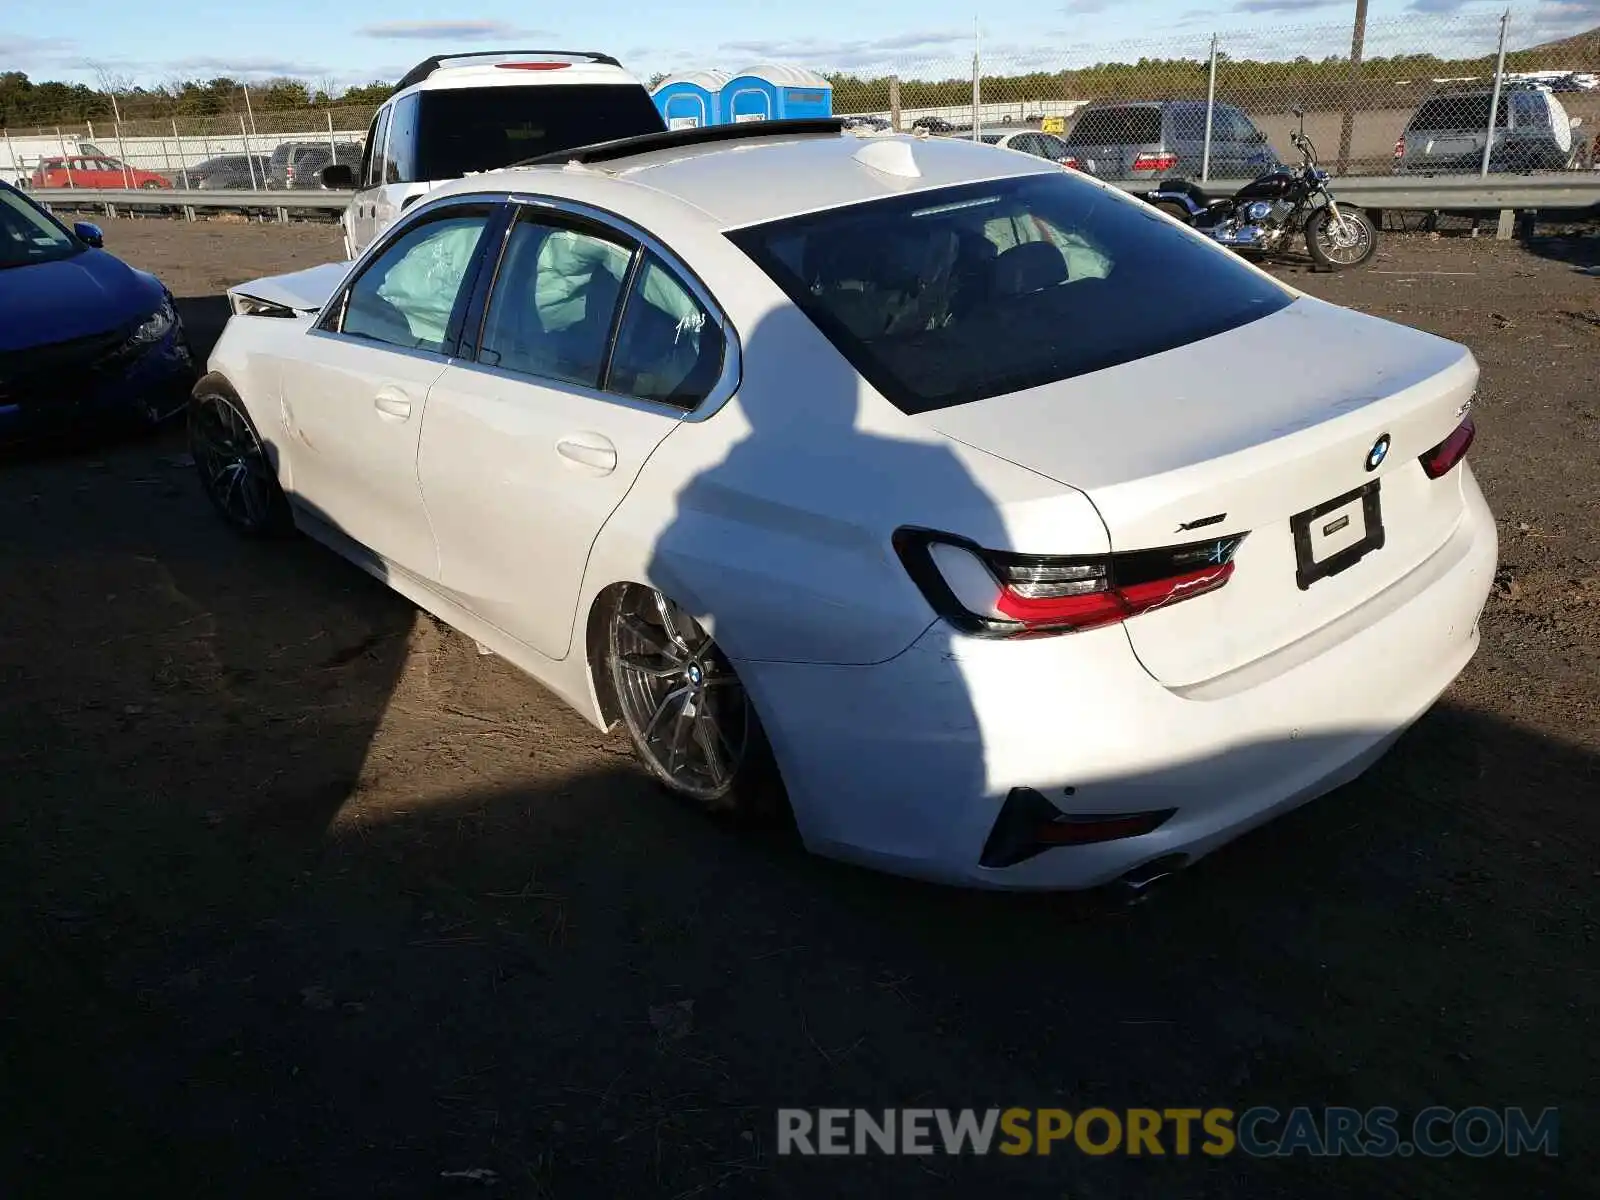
[
  {"x": 376, "y": 162},
  {"x": 480, "y": 129},
  {"x": 1529, "y": 109},
  {"x": 402, "y": 154},
  {"x": 1468, "y": 111},
  {"x": 668, "y": 347},
  {"x": 1189, "y": 122},
  {"x": 949, "y": 296},
  {"x": 408, "y": 295},
  {"x": 1130, "y": 125},
  {"x": 1052, "y": 147},
  {"x": 367, "y": 149},
  {"x": 554, "y": 298}
]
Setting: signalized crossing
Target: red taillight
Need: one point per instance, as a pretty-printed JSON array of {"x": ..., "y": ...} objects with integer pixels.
[
  {"x": 998, "y": 594},
  {"x": 532, "y": 66},
  {"x": 1400, "y": 146},
  {"x": 1162, "y": 161},
  {"x": 1449, "y": 452},
  {"x": 1070, "y": 163}
]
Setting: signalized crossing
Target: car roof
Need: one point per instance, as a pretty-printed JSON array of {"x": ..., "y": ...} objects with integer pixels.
[
  {"x": 756, "y": 179},
  {"x": 513, "y": 68}
]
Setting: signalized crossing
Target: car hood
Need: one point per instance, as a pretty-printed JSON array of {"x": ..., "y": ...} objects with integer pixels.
[
  {"x": 89, "y": 293},
  {"x": 304, "y": 291}
]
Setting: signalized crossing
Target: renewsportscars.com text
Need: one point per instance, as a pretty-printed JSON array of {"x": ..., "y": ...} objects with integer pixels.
[{"x": 1260, "y": 1132}]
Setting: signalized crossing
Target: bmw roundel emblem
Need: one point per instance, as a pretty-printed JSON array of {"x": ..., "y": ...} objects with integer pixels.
[{"x": 1379, "y": 452}]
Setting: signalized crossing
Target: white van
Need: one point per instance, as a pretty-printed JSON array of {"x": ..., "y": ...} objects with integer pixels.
[{"x": 455, "y": 114}]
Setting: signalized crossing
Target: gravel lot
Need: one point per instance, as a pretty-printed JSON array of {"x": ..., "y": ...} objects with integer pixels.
[{"x": 305, "y": 898}]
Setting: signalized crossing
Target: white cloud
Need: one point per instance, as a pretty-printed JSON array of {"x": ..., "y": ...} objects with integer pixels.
[{"x": 459, "y": 31}]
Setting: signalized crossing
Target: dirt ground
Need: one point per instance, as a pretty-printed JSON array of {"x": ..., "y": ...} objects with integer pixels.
[{"x": 303, "y": 897}]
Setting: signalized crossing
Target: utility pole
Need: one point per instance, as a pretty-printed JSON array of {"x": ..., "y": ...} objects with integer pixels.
[{"x": 1358, "y": 41}]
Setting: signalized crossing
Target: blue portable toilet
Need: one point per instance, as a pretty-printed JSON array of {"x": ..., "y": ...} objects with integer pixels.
[
  {"x": 776, "y": 92},
  {"x": 691, "y": 99}
]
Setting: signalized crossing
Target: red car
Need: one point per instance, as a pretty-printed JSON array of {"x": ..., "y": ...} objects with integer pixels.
[{"x": 94, "y": 171}]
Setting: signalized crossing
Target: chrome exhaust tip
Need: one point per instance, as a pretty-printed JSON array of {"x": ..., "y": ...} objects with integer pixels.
[{"x": 1136, "y": 885}]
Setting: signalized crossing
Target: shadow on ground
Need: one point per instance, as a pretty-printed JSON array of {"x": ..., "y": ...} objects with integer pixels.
[{"x": 238, "y": 957}]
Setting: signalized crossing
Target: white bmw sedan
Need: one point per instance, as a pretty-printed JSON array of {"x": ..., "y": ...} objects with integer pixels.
[{"x": 1003, "y": 530}]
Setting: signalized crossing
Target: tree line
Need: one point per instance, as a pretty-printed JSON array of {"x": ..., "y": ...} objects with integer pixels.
[
  {"x": 25, "y": 103},
  {"x": 1302, "y": 80}
]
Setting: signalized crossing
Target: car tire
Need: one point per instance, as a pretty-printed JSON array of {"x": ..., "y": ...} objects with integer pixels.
[
  {"x": 692, "y": 725},
  {"x": 232, "y": 464}
]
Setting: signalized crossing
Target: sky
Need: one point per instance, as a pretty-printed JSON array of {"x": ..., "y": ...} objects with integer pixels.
[{"x": 359, "y": 41}]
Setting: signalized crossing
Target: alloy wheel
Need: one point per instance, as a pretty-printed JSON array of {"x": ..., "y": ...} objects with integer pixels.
[
  {"x": 233, "y": 465},
  {"x": 685, "y": 709}
]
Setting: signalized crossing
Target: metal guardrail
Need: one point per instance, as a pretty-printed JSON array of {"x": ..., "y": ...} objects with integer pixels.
[
  {"x": 1569, "y": 190},
  {"x": 280, "y": 202},
  {"x": 1446, "y": 193}
]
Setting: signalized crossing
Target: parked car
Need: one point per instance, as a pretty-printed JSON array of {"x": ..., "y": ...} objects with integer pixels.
[
  {"x": 91, "y": 171},
  {"x": 933, "y": 125},
  {"x": 455, "y": 114},
  {"x": 765, "y": 444},
  {"x": 299, "y": 164},
  {"x": 224, "y": 172},
  {"x": 1029, "y": 141},
  {"x": 86, "y": 341},
  {"x": 876, "y": 124},
  {"x": 1448, "y": 132},
  {"x": 1146, "y": 139}
]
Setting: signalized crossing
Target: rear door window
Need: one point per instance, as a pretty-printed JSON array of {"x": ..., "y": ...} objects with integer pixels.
[
  {"x": 1121, "y": 126},
  {"x": 481, "y": 129},
  {"x": 554, "y": 300},
  {"x": 954, "y": 295}
]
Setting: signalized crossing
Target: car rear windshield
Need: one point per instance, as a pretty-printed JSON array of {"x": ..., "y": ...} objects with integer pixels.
[
  {"x": 479, "y": 129},
  {"x": 1132, "y": 125},
  {"x": 957, "y": 294},
  {"x": 1468, "y": 111}
]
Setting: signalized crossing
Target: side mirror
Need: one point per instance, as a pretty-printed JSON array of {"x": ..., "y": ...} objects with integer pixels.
[
  {"x": 338, "y": 176},
  {"x": 89, "y": 235}
]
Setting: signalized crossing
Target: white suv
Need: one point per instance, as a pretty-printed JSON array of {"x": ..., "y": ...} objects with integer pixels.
[{"x": 452, "y": 115}]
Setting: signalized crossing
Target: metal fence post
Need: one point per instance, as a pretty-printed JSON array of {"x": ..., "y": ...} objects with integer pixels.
[
  {"x": 1494, "y": 104},
  {"x": 1347, "y": 124},
  {"x": 249, "y": 160},
  {"x": 333, "y": 152},
  {"x": 1211, "y": 106},
  {"x": 11, "y": 153},
  {"x": 183, "y": 157},
  {"x": 894, "y": 103},
  {"x": 248, "y": 109},
  {"x": 66, "y": 161},
  {"x": 977, "y": 67},
  {"x": 122, "y": 153}
]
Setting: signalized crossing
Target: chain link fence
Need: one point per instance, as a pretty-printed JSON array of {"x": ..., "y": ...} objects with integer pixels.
[
  {"x": 1427, "y": 94},
  {"x": 246, "y": 149},
  {"x": 1432, "y": 95}
]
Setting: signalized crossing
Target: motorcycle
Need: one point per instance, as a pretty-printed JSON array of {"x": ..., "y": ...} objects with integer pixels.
[{"x": 1266, "y": 214}]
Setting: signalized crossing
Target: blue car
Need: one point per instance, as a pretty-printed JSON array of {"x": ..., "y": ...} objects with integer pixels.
[{"x": 87, "y": 343}]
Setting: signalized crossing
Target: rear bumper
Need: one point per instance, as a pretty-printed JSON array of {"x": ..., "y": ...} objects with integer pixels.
[{"x": 903, "y": 766}]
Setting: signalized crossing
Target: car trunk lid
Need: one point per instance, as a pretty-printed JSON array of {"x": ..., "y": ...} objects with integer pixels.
[{"x": 1243, "y": 433}]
